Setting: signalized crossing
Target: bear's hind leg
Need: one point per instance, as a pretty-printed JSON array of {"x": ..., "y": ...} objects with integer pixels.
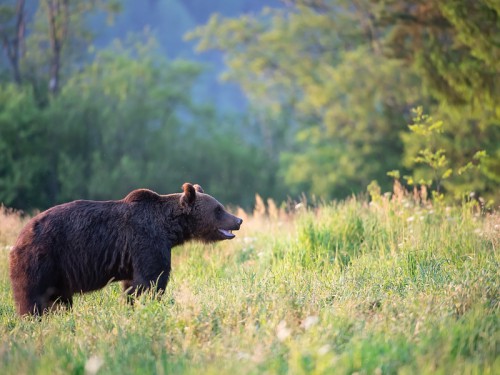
[
  {"x": 48, "y": 300},
  {"x": 51, "y": 293},
  {"x": 29, "y": 307},
  {"x": 30, "y": 299},
  {"x": 36, "y": 281}
]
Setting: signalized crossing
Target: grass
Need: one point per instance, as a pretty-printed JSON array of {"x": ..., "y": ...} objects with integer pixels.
[{"x": 350, "y": 287}]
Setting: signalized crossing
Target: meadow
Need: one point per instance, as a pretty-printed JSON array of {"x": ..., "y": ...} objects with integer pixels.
[{"x": 394, "y": 285}]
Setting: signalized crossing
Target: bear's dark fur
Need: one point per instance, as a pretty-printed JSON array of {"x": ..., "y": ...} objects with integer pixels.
[{"x": 83, "y": 245}]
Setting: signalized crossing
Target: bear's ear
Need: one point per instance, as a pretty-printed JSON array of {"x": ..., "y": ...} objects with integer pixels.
[
  {"x": 189, "y": 195},
  {"x": 198, "y": 188}
]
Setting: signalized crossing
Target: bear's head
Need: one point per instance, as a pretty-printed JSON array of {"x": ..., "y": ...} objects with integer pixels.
[{"x": 209, "y": 221}]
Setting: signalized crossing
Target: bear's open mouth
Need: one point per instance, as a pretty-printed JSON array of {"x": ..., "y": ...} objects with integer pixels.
[{"x": 228, "y": 234}]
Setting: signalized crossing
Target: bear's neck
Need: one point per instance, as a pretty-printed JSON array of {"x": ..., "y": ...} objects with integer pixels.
[
  {"x": 182, "y": 233},
  {"x": 179, "y": 227}
]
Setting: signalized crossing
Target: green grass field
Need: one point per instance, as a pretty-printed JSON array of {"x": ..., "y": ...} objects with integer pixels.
[{"x": 381, "y": 288}]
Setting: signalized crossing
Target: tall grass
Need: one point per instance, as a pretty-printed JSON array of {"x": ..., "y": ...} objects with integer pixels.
[{"x": 387, "y": 287}]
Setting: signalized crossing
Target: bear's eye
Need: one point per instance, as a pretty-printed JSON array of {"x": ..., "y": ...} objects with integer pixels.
[{"x": 218, "y": 211}]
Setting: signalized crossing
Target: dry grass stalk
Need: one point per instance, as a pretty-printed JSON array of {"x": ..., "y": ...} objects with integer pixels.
[{"x": 11, "y": 223}]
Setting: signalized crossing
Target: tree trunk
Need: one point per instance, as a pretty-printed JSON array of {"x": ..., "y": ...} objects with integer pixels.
[
  {"x": 12, "y": 45},
  {"x": 58, "y": 15}
]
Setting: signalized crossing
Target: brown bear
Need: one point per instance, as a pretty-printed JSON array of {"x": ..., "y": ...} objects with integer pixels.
[{"x": 83, "y": 245}]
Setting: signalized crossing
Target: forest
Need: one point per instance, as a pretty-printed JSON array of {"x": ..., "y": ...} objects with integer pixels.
[{"x": 316, "y": 98}]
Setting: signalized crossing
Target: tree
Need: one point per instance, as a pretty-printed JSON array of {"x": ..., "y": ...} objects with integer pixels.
[
  {"x": 348, "y": 72},
  {"x": 116, "y": 126},
  {"x": 358, "y": 136},
  {"x": 12, "y": 30},
  {"x": 454, "y": 44},
  {"x": 23, "y": 148},
  {"x": 58, "y": 39},
  {"x": 457, "y": 142},
  {"x": 58, "y": 17},
  {"x": 319, "y": 65}
]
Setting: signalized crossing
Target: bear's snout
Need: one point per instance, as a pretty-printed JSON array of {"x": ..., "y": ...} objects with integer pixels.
[
  {"x": 238, "y": 223},
  {"x": 231, "y": 223}
]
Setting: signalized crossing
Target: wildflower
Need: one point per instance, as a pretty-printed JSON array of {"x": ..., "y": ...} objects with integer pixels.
[
  {"x": 282, "y": 332},
  {"x": 324, "y": 349},
  {"x": 309, "y": 322},
  {"x": 249, "y": 240},
  {"x": 93, "y": 365}
]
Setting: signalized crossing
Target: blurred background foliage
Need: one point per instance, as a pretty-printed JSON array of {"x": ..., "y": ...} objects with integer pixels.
[{"x": 101, "y": 97}]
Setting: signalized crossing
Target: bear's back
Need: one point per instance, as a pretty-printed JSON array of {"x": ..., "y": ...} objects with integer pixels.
[{"x": 142, "y": 195}]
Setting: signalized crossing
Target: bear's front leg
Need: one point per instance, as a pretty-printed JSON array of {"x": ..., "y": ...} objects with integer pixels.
[
  {"x": 151, "y": 269},
  {"x": 128, "y": 289},
  {"x": 140, "y": 284}
]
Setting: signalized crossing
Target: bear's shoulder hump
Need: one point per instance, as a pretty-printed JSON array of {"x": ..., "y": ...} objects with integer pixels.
[{"x": 142, "y": 195}]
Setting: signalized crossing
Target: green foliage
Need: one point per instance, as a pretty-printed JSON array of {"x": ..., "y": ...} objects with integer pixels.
[
  {"x": 330, "y": 84},
  {"x": 134, "y": 137},
  {"x": 346, "y": 76},
  {"x": 116, "y": 126},
  {"x": 23, "y": 147},
  {"x": 354, "y": 135},
  {"x": 418, "y": 294},
  {"x": 121, "y": 117},
  {"x": 344, "y": 101},
  {"x": 58, "y": 39},
  {"x": 454, "y": 44},
  {"x": 434, "y": 159},
  {"x": 430, "y": 150}
]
